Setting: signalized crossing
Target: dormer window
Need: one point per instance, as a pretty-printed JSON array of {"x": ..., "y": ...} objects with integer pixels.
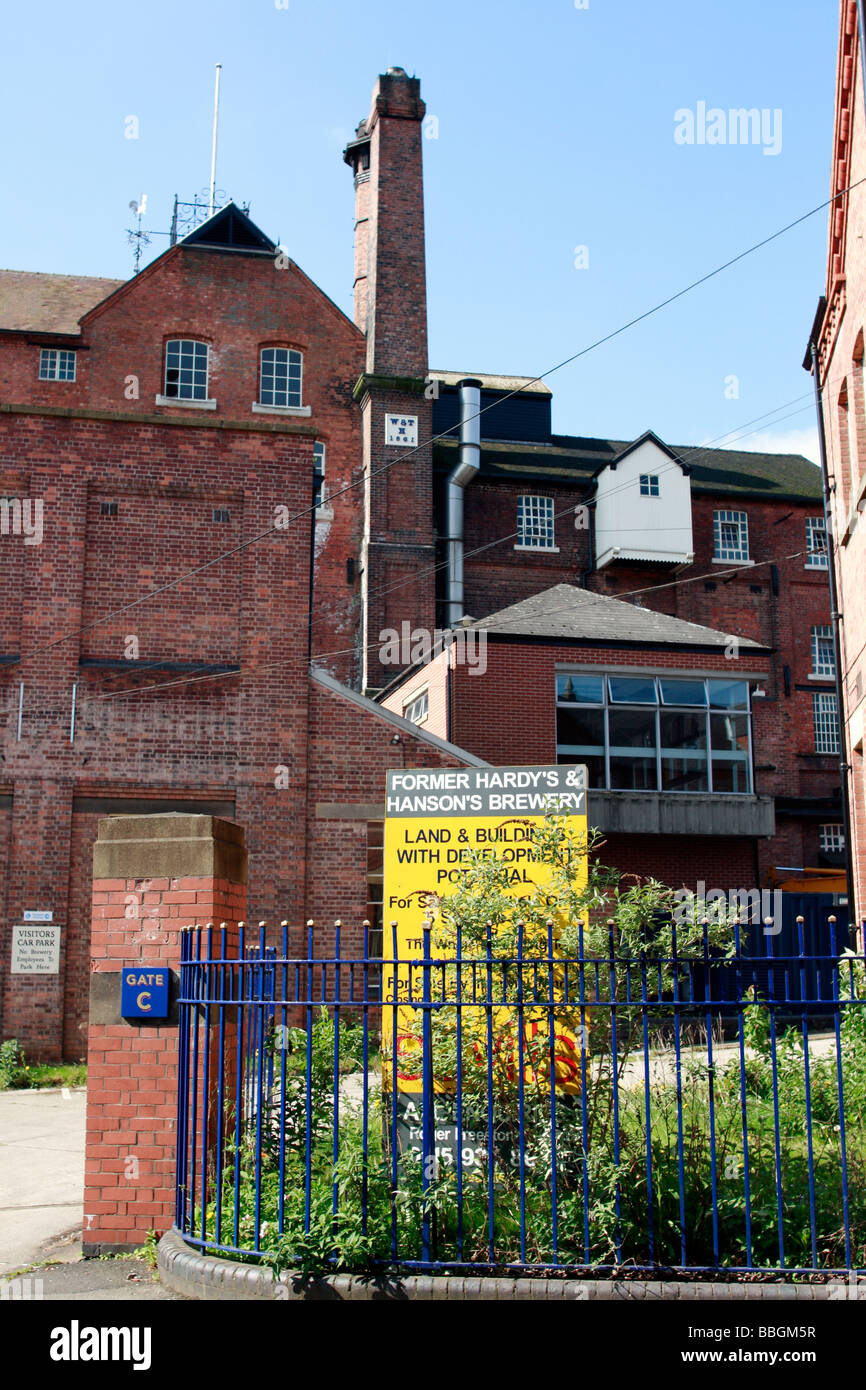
[
  {"x": 56, "y": 364},
  {"x": 186, "y": 370},
  {"x": 649, "y": 485}
]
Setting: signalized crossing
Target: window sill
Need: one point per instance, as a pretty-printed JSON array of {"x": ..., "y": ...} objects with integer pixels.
[
  {"x": 304, "y": 410},
  {"x": 186, "y": 404},
  {"x": 540, "y": 549},
  {"x": 715, "y": 561},
  {"x": 829, "y": 678}
]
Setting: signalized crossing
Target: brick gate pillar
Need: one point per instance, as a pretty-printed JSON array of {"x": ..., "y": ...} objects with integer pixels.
[{"x": 152, "y": 876}]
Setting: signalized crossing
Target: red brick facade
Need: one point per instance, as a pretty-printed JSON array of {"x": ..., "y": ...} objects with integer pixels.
[
  {"x": 154, "y": 647},
  {"x": 840, "y": 344},
  {"x": 129, "y": 1184}
]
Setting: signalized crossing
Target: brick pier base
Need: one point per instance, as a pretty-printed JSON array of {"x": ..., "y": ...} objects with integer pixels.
[{"x": 152, "y": 876}]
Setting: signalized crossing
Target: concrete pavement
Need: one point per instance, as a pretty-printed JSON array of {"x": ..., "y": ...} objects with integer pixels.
[{"x": 41, "y": 1172}]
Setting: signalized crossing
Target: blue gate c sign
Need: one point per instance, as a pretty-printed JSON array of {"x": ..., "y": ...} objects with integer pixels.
[{"x": 144, "y": 993}]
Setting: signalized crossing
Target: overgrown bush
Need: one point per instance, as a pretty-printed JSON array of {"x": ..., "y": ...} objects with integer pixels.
[{"x": 638, "y": 1161}]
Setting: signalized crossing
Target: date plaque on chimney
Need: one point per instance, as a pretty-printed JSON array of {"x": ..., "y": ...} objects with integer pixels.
[{"x": 401, "y": 429}]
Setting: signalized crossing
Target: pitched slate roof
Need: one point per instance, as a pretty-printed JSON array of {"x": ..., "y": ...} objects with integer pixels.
[
  {"x": 31, "y": 301},
  {"x": 573, "y": 459},
  {"x": 568, "y": 614}
]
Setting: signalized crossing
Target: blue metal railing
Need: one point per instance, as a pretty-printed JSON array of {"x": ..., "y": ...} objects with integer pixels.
[{"x": 490, "y": 1112}]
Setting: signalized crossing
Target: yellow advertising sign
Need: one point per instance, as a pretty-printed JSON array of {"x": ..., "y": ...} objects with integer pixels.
[{"x": 436, "y": 821}]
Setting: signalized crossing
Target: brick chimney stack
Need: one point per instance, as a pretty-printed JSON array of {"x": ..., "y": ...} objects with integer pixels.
[
  {"x": 391, "y": 309},
  {"x": 390, "y": 271}
]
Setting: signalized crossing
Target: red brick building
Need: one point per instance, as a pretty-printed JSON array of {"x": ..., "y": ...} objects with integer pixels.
[
  {"x": 218, "y": 494},
  {"x": 838, "y": 337}
]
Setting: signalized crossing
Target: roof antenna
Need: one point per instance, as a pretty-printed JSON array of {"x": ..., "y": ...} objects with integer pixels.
[
  {"x": 137, "y": 237},
  {"x": 216, "y": 116}
]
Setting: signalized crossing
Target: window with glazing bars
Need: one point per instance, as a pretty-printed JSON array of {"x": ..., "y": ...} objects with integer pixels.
[
  {"x": 823, "y": 654},
  {"x": 535, "y": 522},
  {"x": 282, "y": 371},
  {"x": 416, "y": 710},
  {"x": 831, "y": 838},
  {"x": 826, "y": 722},
  {"x": 649, "y": 485},
  {"x": 186, "y": 369},
  {"x": 56, "y": 364},
  {"x": 816, "y": 543},
  {"x": 730, "y": 535},
  {"x": 655, "y": 733}
]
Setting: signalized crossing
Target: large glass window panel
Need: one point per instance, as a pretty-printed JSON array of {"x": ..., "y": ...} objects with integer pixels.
[
  {"x": 632, "y": 690},
  {"x": 731, "y": 773},
  {"x": 729, "y": 733},
  {"x": 583, "y": 728},
  {"x": 729, "y": 694},
  {"x": 682, "y": 773},
  {"x": 680, "y": 730},
  {"x": 634, "y": 773},
  {"x": 632, "y": 740},
  {"x": 683, "y": 734},
  {"x": 580, "y": 688},
  {"x": 580, "y": 739},
  {"x": 594, "y": 766},
  {"x": 729, "y": 738},
  {"x": 683, "y": 692},
  {"x": 632, "y": 728}
]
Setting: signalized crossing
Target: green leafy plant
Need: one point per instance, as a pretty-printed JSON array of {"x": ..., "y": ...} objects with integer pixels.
[{"x": 649, "y": 1133}]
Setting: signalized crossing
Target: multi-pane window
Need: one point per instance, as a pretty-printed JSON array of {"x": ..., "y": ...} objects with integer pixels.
[
  {"x": 535, "y": 522},
  {"x": 826, "y": 721},
  {"x": 816, "y": 543},
  {"x": 282, "y": 371},
  {"x": 823, "y": 654},
  {"x": 221, "y": 514},
  {"x": 655, "y": 733},
  {"x": 649, "y": 485},
  {"x": 730, "y": 536},
  {"x": 416, "y": 709},
  {"x": 108, "y": 509},
  {"x": 318, "y": 473},
  {"x": 831, "y": 838},
  {"x": 186, "y": 369},
  {"x": 56, "y": 364}
]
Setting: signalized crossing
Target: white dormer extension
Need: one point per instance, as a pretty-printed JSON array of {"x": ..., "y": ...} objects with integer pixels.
[{"x": 643, "y": 506}]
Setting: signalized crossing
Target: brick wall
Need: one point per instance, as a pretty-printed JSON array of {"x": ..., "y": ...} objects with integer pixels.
[
  {"x": 841, "y": 365},
  {"x": 129, "y": 1186}
]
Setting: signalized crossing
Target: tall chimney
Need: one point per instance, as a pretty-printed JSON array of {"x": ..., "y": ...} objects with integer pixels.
[
  {"x": 390, "y": 271},
  {"x": 398, "y": 559}
]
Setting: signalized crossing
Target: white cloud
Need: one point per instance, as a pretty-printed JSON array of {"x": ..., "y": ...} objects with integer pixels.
[{"x": 770, "y": 441}]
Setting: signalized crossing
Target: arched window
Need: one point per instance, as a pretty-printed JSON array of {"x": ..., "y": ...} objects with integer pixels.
[
  {"x": 186, "y": 369},
  {"x": 281, "y": 377}
]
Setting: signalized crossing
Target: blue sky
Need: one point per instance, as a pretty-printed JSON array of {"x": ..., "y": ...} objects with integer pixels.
[{"x": 555, "y": 131}]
